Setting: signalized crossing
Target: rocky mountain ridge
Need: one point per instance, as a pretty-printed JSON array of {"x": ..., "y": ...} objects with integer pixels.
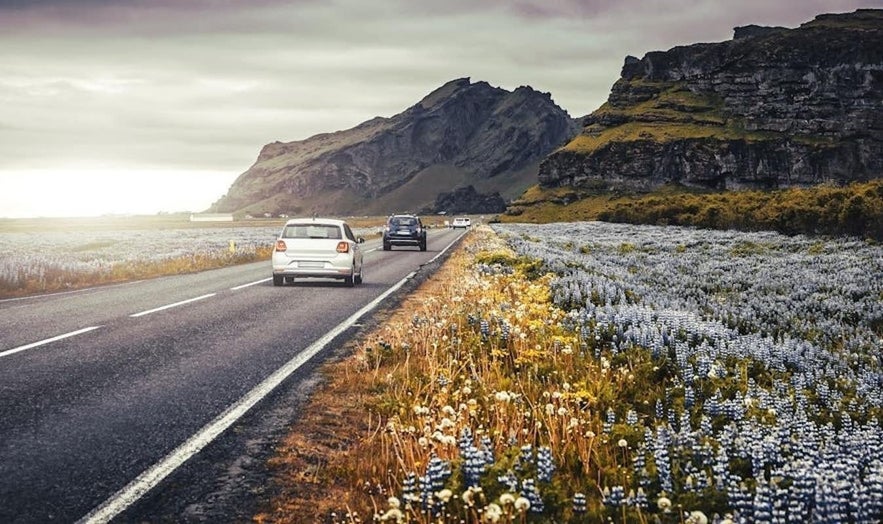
[
  {"x": 461, "y": 134},
  {"x": 774, "y": 107}
]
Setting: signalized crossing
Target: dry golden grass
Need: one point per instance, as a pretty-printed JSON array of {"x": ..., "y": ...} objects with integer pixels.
[{"x": 432, "y": 371}]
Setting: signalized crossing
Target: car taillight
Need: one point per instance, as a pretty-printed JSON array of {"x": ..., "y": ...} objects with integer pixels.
[
  {"x": 280, "y": 245},
  {"x": 343, "y": 247}
]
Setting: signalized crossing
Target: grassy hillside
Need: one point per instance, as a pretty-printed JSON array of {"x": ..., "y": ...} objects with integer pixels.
[{"x": 856, "y": 209}]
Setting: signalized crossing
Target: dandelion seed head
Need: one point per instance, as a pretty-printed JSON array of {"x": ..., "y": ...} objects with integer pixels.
[
  {"x": 492, "y": 513},
  {"x": 696, "y": 517},
  {"x": 522, "y": 504},
  {"x": 444, "y": 495},
  {"x": 393, "y": 515}
]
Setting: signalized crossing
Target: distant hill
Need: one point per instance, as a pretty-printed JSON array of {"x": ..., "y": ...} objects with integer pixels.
[
  {"x": 772, "y": 108},
  {"x": 462, "y": 134}
]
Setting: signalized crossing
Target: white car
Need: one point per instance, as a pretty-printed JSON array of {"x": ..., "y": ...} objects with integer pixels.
[
  {"x": 317, "y": 248},
  {"x": 463, "y": 222}
]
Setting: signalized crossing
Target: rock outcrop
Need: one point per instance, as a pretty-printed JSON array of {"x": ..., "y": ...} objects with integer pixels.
[
  {"x": 461, "y": 133},
  {"x": 774, "y": 107},
  {"x": 467, "y": 200}
]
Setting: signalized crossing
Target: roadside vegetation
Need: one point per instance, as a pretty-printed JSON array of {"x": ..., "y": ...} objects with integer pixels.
[
  {"x": 856, "y": 209},
  {"x": 51, "y": 255},
  {"x": 607, "y": 373},
  {"x": 58, "y": 260}
]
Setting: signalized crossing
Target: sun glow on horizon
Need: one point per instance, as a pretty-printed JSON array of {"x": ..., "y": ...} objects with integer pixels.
[{"x": 96, "y": 192}]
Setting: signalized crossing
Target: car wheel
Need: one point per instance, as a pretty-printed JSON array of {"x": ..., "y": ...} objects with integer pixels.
[
  {"x": 423, "y": 246},
  {"x": 350, "y": 280},
  {"x": 386, "y": 246},
  {"x": 358, "y": 278},
  {"x": 277, "y": 280}
]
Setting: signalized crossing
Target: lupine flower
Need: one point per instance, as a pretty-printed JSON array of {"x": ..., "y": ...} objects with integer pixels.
[
  {"x": 545, "y": 464},
  {"x": 579, "y": 503}
]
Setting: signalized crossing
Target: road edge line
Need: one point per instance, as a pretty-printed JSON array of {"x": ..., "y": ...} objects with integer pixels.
[{"x": 152, "y": 476}]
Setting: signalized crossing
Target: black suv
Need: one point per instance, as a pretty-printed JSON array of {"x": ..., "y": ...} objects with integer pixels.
[{"x": 404, "y": 230}]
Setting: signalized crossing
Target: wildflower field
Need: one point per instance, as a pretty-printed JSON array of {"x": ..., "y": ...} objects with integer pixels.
[
  {"x": 596, "y": 372},
  {"x": 48, "y": 260}
]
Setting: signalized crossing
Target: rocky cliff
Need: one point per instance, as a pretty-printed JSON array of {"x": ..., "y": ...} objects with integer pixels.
[
  {"x": 461, "y": 134},
  {"x": 774, "y": 107}
]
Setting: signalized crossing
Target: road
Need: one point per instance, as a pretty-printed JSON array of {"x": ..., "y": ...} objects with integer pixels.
[{"x": 99, "y": 386}]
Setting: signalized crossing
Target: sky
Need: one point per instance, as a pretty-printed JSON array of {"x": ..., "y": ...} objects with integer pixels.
[{"x": 148, "y": 106}]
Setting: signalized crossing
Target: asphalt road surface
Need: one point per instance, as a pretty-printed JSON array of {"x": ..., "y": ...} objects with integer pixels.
[{"x": 159, "y": 400}]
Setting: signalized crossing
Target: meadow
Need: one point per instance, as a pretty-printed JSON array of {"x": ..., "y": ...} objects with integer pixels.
[
  {"x": 52, "y": 255},
  {"x": 51, "y": 261},
  {"x": 597, "y": 372}
]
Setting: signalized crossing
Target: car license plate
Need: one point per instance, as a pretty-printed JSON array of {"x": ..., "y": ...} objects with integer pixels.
[{"x": 310, "y": 265}]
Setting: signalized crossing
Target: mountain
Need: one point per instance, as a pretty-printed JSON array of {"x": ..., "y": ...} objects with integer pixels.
[
  {"x": 462, "y": 134},
  {"x": 771, "y": 108}
]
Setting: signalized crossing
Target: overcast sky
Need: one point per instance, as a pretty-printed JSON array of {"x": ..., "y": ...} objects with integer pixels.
[{"x": 189, "y": 90}]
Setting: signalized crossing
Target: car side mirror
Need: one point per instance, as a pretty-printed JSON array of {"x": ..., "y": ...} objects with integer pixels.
[{"x": 360, "y": 240}]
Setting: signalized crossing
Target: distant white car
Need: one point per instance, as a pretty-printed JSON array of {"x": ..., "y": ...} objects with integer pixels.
[
  {"x": 319, "y": 248},
  {"x": 463, "y": 222}
]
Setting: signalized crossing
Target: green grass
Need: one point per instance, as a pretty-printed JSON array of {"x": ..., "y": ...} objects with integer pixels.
[{"x": 855, "y": 209}]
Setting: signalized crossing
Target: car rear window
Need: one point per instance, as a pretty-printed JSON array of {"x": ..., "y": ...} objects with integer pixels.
[
  {"x": 403, "y": 221},
  {"x": 311, "y": 231}
]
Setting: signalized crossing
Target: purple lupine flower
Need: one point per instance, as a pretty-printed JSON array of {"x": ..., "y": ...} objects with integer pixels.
[
  {"x": 530, "y": 492},
  {"x": 579, "y": 503},
  {"x": 545, "y": 464}
]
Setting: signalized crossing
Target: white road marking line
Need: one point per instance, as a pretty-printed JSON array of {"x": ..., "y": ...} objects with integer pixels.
[
  {"x": 189, "y": 300},
  {"x": 237, "y": 288},
  {"x": 442, "y": 252},
  {"x": 47, "y": 341},
  {"x": 147, "y": 480}
]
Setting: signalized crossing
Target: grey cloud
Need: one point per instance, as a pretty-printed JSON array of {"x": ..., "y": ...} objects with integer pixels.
[{"x": 207, "y": 82}]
